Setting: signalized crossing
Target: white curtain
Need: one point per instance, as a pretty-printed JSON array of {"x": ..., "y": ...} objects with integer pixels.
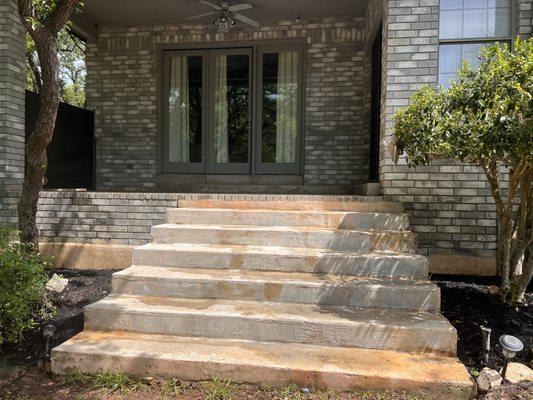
[
  {"x": 221, "y": 109},
  {"x": 287, "y": 107},
  {"x": 178, "y": 114}
]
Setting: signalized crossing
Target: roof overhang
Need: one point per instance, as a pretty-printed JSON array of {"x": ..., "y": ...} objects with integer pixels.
[{"x": 168, "y": 12}]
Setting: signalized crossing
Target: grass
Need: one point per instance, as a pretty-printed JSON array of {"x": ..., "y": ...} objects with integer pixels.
[
  {"x": 219, "y": 389},
  {"x": 120, "y": 386},
  {"x": 170, "y": 388},
  {"x": 107, "y": 381}
]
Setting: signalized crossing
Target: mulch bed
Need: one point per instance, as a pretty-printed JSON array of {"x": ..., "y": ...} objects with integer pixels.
[{"x": 465, "y": 302}]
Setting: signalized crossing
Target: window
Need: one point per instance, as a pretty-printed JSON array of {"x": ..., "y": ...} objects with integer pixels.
[
  {"x": 209, "y": 104},
  {"x": 465, "y": 27}
]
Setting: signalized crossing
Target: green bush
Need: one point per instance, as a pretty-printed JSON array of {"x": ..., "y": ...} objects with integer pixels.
[{"x": 23, "y": 298}]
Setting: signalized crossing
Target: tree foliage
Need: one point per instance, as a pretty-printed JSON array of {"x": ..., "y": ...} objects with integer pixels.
[
  {"x": 485, "y": 119},
  {"x": 72, "y": 71}
]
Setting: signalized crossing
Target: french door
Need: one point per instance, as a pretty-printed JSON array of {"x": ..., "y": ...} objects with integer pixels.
[{"x": 214, "y": 122}]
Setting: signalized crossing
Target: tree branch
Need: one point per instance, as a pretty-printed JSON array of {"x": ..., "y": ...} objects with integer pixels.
[{"x": 60, "y": 15}]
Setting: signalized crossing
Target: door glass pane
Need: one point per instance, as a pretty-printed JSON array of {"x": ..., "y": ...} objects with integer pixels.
[
  {"x": 280, "y": 86},
  {"x": 185, "y": 110},
  {"x": 231, "y": 108}
]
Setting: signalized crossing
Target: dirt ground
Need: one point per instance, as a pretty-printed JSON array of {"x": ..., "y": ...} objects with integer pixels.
[{"x": 465, "y": 303}]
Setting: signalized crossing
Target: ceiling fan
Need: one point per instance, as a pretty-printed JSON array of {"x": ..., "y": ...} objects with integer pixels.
[{"x": 227, "y": 14}]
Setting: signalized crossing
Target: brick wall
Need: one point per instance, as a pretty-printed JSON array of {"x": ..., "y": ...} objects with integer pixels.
[
  {"x": 450, "y": 204},
  {"x": 122, "y": 88},
  {"x": 524, "y": 18},
  {"x": 100, "y": 218},
  {"x": 11, "y": 110}
]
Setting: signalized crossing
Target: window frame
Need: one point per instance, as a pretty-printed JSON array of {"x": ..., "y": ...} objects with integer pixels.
[
  {"x": 479, "y": 40},
  {"x": 166, "y": 51}
]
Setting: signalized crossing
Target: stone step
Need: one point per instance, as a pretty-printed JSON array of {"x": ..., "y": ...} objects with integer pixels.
[
  {"x": 265, "y": 321},
  {"x": 279, "y": 287},
  {"x": 282, "y": 236},
  {"x": 266, "y": 364},
  {"x": 321, "y": 219},
  {"x": 268, "y": 258},
  {"x": 354, "y": 204}
]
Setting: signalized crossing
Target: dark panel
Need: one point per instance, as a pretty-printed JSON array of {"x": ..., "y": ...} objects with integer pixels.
[
  {"x": 376, "y": 108},
  {"x": 71, "y": 152}
]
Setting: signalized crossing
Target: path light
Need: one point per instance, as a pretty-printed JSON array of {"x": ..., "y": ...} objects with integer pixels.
[
  {"x": 510, "y": 346},
  {"x": 49, "y": 330}
]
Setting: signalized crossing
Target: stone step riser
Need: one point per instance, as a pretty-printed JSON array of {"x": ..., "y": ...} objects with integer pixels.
[
  {"x": 264, "y": 364},
  {"x": 374, "y": 206},
  {"x": 319, "y": 239},
  {"x": 230, "y": 326},
  {"x": 413, "y": 297},
  {"x": 355, "y": 221},
  {"x": 415, "y": 268}
]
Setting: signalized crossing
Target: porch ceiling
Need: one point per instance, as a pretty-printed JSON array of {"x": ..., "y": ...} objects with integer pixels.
[{"x": 153, "y": 12}]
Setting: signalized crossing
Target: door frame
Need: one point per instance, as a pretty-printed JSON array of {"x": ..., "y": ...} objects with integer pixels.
[
  {"x": 166, "y": 165},
  {"x": 278, "y": 168},
  {"x": 255, "y": 45}
]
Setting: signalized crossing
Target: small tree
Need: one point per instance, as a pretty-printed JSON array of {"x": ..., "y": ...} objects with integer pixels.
[
  {"x": 485, "y": 119},
  {"x": 42, "y": 19}
]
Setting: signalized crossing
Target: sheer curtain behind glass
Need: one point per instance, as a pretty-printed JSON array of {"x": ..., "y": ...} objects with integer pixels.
[
  {"x": 178, "y": 116},
  {"x": 221, "y": 109},
  {"x": 287, "y": 107}
]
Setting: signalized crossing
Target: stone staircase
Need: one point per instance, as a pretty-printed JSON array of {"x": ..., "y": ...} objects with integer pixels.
[{"x": 326, "y": 292}]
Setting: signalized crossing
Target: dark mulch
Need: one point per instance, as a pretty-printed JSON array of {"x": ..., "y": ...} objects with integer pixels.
[
  {"x": 85, "y": 287},
  {"x": 465, "y": 302},
  {"x": 468, "y": 306}
]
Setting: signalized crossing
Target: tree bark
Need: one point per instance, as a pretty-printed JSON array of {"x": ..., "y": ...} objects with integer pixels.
[
  {"x": 44, "y": 31},
  {"x": 46, "y": 44}
]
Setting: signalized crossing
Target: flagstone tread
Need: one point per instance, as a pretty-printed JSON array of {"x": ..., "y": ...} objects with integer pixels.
[
  {"x": 272, "y": 364},
  {"x": 269, "y": 321},
  {"x": 276, "y": 286},
  {"x": 279, "y": 258}
]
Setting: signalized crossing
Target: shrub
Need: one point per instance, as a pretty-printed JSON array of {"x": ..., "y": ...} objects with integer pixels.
[
  {"x": 485, "y": 119},
  {"x": 23, "y": 298}
]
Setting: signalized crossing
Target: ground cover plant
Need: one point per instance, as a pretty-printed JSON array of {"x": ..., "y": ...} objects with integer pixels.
[
  {"x": 485, "y": 119},
  {"x": 24, "y": 302}
]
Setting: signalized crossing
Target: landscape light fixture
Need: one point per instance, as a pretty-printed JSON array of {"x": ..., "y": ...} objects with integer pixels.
[
  {"x": 49, "y": 331},
  {"x": 510, "y": 346}
]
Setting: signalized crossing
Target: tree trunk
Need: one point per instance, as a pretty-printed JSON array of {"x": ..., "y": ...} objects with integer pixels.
[
  {"x": 46, "y": 44},
  {"x": 521, "y": 282}
]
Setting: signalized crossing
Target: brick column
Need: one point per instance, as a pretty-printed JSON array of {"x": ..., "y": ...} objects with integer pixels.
[
  {"x": 524, "y": 18},
  {"x": 12, "y": 82}
]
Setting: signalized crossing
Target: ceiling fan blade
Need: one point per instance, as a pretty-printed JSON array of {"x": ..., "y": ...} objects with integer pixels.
[
  {"x": 208, "y": 3},
  {"x": 246, "y": 20},
  {"x": 240, "y": 7},
  {"x": 202, "y": 15}
]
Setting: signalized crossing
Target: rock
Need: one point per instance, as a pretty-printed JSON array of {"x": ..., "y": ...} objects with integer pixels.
[
  {"x": 493, "y": 290},
  {"x": 488, "y": 379},
  {"x": 517, "y": 373},
  {"x": 57, "y": 283}
]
